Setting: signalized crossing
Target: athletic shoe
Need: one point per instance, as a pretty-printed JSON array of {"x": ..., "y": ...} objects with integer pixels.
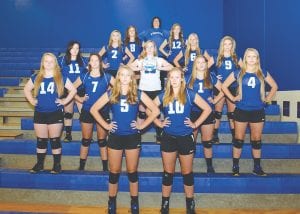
[
  {"x": 258, "y": 171},
  {"x": 68, "y": 138},
  {"x": 56, "y": 169},
  {"x": 236, "y": 171},
  {"x": 190, "y": 208},
  {"x": 165, "y": 208},
  {"x": 112, "y": 207},
  {"x": 135, "y": 207},
  {"x": 37, "y": 168},
  {"x": 210, "y": 170}
]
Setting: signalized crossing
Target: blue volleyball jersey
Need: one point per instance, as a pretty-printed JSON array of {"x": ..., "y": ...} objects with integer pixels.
[
  {"x": 205, "y": 93},
  {"x": 178, "y": 113},
  {"x": 225, "y": 69},
  {"x": 47, "y": 95},
  {"x": 135, "y": 49},
  {"x": 251, "y": 99},
  {"x": 123, "y": 114},
  {"x": 189, "y": 66},
  {"x": 113, "y": 56},
  {"x": 94, "y": 87},
  {"x": 73, "y": 70},
  {"x": 157, "y": 35},
  {"x": 175, "y": 49}
]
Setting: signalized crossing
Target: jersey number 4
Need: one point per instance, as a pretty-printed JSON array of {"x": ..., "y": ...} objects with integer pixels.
[{"x": 251, "y": 82}]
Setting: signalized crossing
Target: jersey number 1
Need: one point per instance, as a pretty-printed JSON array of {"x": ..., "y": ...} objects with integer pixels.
[{"x": 179, "y": 108}]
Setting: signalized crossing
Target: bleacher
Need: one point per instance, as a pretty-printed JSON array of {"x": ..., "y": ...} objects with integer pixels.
[{"x": 280, "y": 154}]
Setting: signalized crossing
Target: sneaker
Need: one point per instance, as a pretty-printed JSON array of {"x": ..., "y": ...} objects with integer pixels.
[
  {"x": 81, "y": 168},
  {"x": 258, "y": 171},
  {"x": 236, "y": 171},
  {"x": 190, "y": 209},
  {"x": 165, "y": 208},
  {"x": 56, "y": 169},
  {"x": 112, "y": 207},
  {"x": 37, "y": 168},
  {"x": 210, "y": 170},
  {"x": 215, "y": 140},
  {"x": 135, "y": 207},
  {"x": 68, "y": 138}
]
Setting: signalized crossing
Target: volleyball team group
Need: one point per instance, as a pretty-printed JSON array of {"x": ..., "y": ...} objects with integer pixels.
[{"x": 155, "y": 77}]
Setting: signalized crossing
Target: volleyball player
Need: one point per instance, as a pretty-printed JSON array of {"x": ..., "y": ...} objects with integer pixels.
[
  {"x": 48, "y": 88},
  {"x": 250, "y": 101},
  {"x": 124, "y": 134}
]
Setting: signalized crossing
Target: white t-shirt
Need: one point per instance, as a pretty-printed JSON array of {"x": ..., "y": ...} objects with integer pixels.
[{"x": 150, "y": 76}]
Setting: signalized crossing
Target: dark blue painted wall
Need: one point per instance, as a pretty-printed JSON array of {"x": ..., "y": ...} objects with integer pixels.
[
  {"x": 52, "y": 23},
  {"x": 272, "y": 27}
]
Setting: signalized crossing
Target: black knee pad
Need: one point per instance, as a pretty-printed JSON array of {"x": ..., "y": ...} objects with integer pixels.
[
  {"x": 41, "y": 143},
  {"x": 86, "y": 142},
  {"x": 114, "y": 177},
  {"x": 133, "y": 176},
  {"x": 68, "y": 115},
  {"x": 55, "y": 143},
  {"x": 102, "y": 143},
  {"x": 167, "y": 179},
  {"x": 230, "y": 115},
  {"x": 218, "y": 115},
  {"x": 188, "y": 179},
  {"x": 238, "y": 143},
  {"x": 256, "y": 144},
  {"x": 142, "y": 115},
  {"x": 207, "y": 144}
]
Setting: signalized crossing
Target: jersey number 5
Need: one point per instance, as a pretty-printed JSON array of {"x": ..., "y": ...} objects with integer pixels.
[{"x": 124, "y": 105}]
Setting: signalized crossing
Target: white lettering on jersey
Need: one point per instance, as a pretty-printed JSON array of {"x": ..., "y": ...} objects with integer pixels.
[
  {"x": 124, "y": 105},
  {"x": 50, "y": 88},
  {"x": 72, "y": 71},
  {"x": 228, "y": 64},
  {"x": 95, "y": 84},
  {"x": 179, "y": 108},
  {"x": 115, "y": 53},
  {"x": 251, "y": 82}
]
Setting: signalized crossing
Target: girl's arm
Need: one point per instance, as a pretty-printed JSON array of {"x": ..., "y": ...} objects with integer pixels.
[
  {"x": 131, "y": 57},
  {"x": 269, "y": 79},
  {"x": 177, "y": 58},
  {"x": 164, "y": 65},
  {"x": 72, "y": 91},
  {"x": 135, "y": 65},
  {"x": 217, "y": 98},
  {"x": 102, "y": 51},
  {"x": 77, "y": 82},
  {"x": 29, "y": 86},
  {"x": 162, "y": 48},
  {"x": 230, "y": 79},
  {"x": 210, "y": 59}
]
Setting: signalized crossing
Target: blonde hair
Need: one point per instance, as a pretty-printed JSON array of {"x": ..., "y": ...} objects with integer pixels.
[
  {"x": 171, "y": 37},
  {"x": 111, "y": 41},
  {"x": 57, "y": 76},
  {"x": 258, "y": 72},
  {"x": 233, "y": 55},
  {"x": 144, "y": 53},
  {"x": 206, "y": 76},
  {"x": 188, "y": 48},
  {"x": 169, "y": 95},
  {"x": 132, "y": 96}
]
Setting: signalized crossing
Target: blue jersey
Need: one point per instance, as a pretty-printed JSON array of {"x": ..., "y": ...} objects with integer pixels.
[
  {"x": 113, "y": 56},
  {"x": 205, "y": 93},
  {"x": 251, "y": 99},
  {"x": 225, "y": 69},
  {"x": 157, "y": 35},
  {"x": 178, "y": 113},
  {"x": 94, "y": 87},
  {"x": 175, "y": 49},
  {"x": 72, "y": 70},
  {"x": 47, "y": 95},
  {"x": 190, "y": 63},
  {"x": 123, "y": 114},
  {"x": 135, "y": 49}
]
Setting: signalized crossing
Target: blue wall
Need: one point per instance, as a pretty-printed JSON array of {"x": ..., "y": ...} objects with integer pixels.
[
  {"x": 52, "y": 23},
  {"x": 272, "y": 27}
]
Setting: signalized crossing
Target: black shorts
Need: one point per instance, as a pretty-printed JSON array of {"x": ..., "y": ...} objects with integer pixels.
[
  {"x": 86, "y": 116},
  {"x": 121, "y": 142},
  {"x": 152, "y": 94},
  {"x": 255, "y": 116},
  {"x": 209, "y": 120},
  {"x": 80, "y": 92},
  {"x": 233, "y": 91},
  {"x": 48, "y": 117},
  {"x": 184, "y": 145}
]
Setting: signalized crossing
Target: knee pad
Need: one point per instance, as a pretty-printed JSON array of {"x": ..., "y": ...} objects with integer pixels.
[
  {"x": 188, "y": 179},
  {"x": 55, "y": 143},
  {"x": 256, "y": 144},
  {"x": 114, "y": 177},
  {"x": 142, "y": 115},
  {"x": 238, "y": 143},
  {"x": 230, "y": 115},
  {"x": 102, "y": 143},
  {"x": 68, "y": 115},
  {"x": 207, "y": 144},
  {"x": 133, "y": 176},
  {"x": 86, "y": 142},
  {"x": 218, "y": 115},
  {"x": 42, "y": 143},
  {"x": 167, "y": 179}
]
